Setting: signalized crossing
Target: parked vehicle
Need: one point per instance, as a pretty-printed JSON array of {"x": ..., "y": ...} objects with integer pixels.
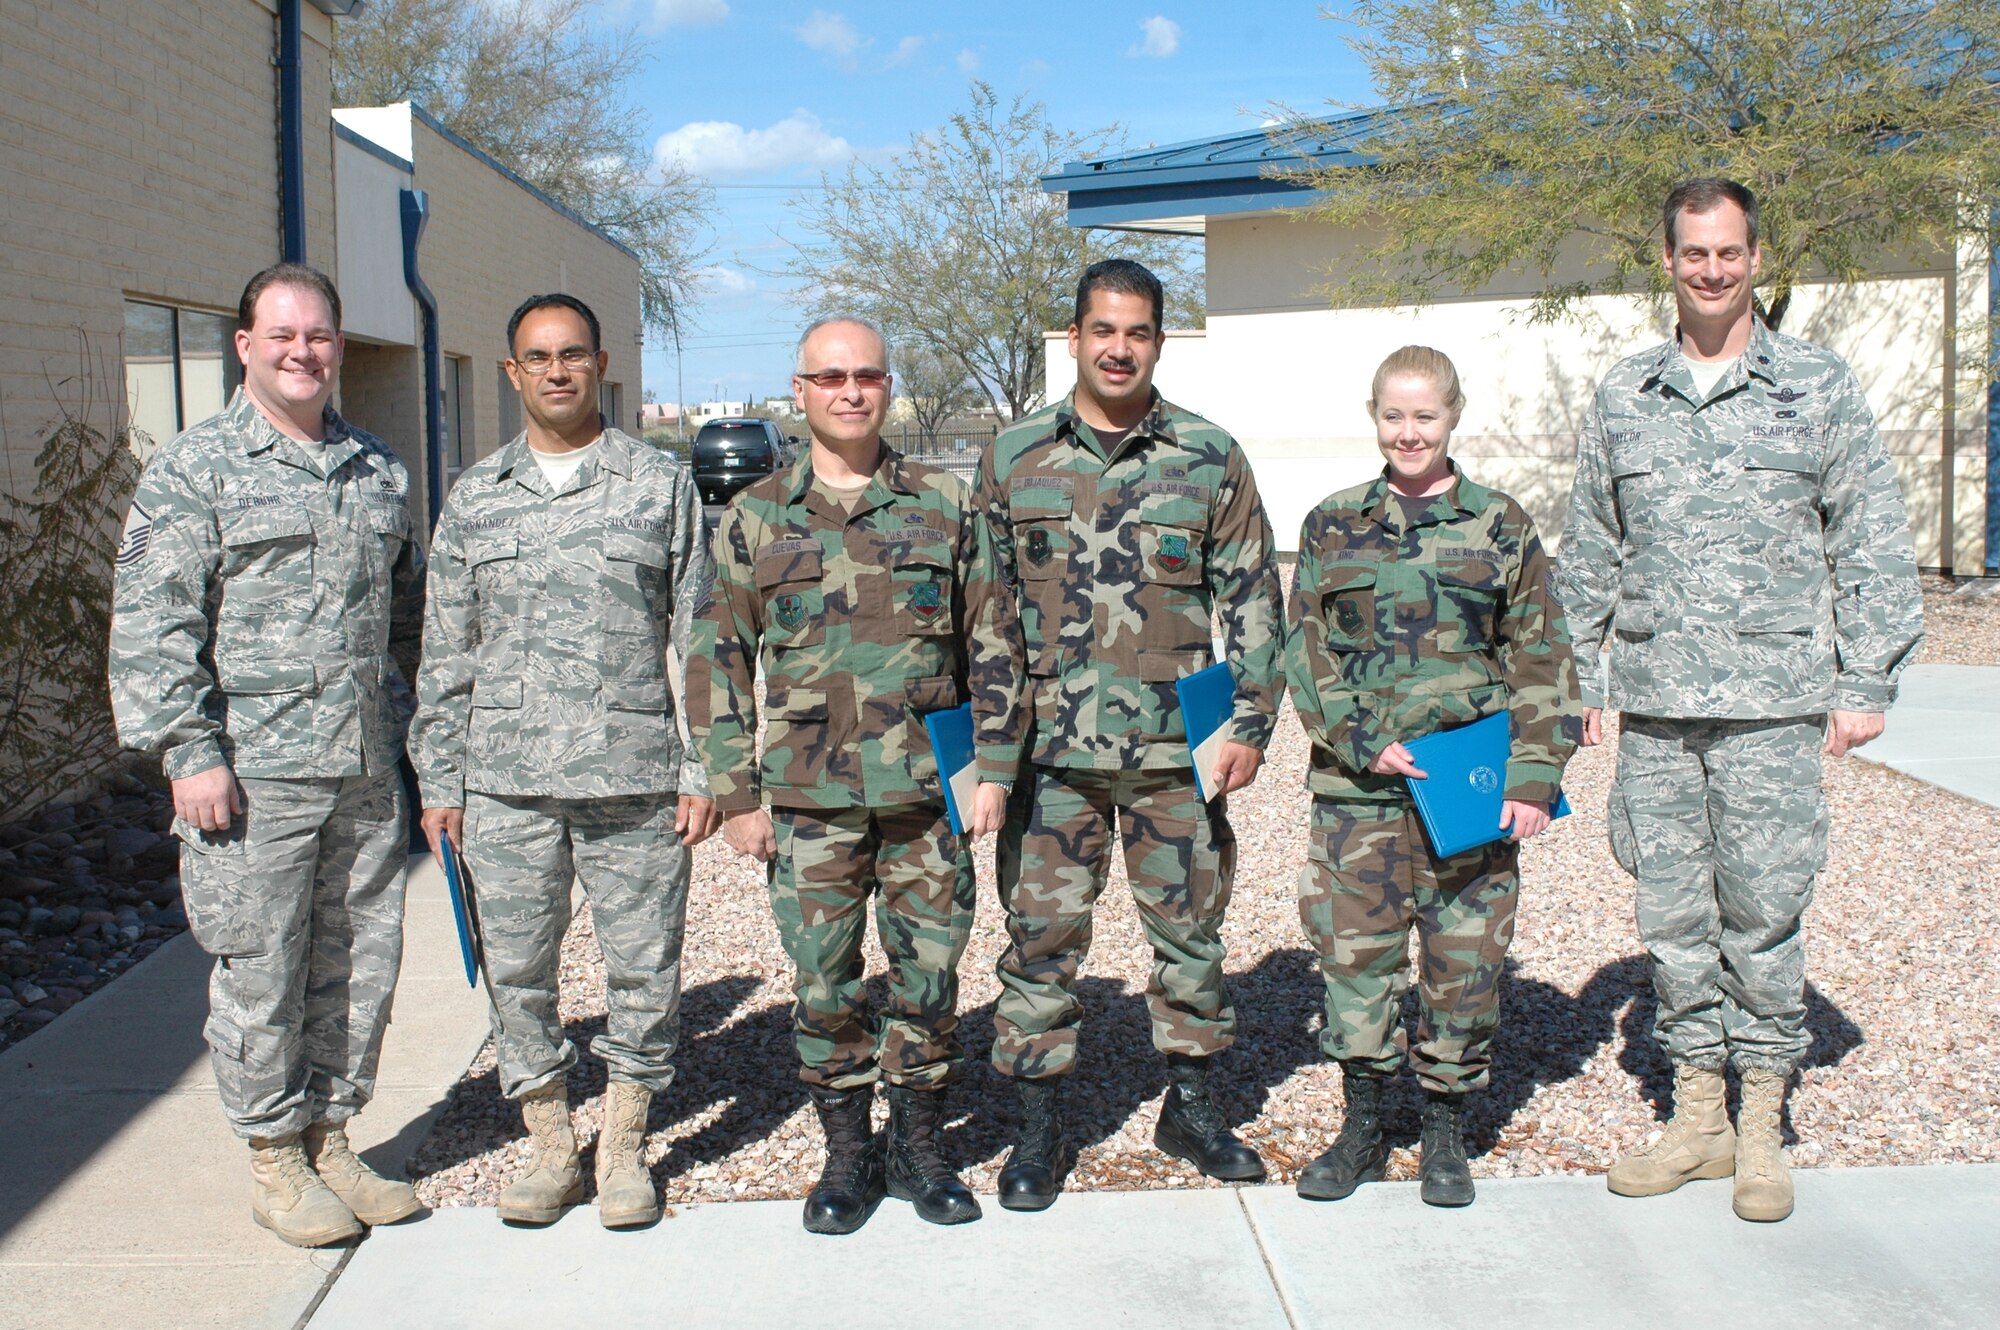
[{"x": 734, "y": 452}]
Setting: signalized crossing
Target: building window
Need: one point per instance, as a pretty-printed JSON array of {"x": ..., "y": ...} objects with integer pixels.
[
  {"x": 459, "y": 451},
  {"x": 180, "y": 367},
  {"x": 611, "y": 404}
]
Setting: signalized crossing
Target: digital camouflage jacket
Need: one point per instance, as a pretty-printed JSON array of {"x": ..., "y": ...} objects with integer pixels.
[
  {"x": 258, "y": 603},
  {"x": 1748, "y": 553},
  {"x": 550, "y": 619}
]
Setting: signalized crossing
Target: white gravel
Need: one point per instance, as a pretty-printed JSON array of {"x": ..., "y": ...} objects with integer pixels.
[{"x": 1904, "y": 1008}]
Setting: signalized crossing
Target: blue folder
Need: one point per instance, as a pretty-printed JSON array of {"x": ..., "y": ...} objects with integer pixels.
[
  {"x": 951, "y": 740},
  {"x": 1465, "y": 785},
  {"x": 1208, "y": 700},
  {"x": 461, "y": 909}
]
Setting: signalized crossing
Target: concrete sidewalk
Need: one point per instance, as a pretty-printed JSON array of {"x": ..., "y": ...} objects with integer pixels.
[
  {"x": 125, "y": 1198},
  {"x": 1867, "y": 1248},
  {"x": 1945, "y": 729}
]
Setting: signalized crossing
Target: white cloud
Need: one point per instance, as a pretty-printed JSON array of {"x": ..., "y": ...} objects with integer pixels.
[
  {"x": 676, "y": 13},
  {"x": 725, "y": 148},
  {"x": 722, "y": 281},
  {"x": 968, "y": 61},
  {"x": 831, "y": 35},
  {"x": 906, "y": 51},
  {"x": 1162, "y": 38}
]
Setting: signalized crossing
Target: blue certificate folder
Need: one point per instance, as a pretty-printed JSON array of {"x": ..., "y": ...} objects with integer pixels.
[
  {"x": 951, "y": 740},
  {"x": 461, "y": 909},
  {"x": 1208, "y": 700},
  {"x": 1466, "y": 782}
]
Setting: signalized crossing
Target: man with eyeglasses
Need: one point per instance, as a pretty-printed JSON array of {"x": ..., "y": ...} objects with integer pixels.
[
  {"x": 564, "y": 570},
  {"x": 868, "y": 593}
]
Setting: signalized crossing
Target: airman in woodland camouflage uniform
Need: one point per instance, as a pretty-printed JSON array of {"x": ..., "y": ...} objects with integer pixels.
[
  {"x": 869, "y": 596},
  {"x": 1424, "y": 602},
  {"x": 565, "y": 568},
  {"x": 1737, "y": 529},
  {"x": 268, "y": 572},
  {"x": 1124, "y": 523}
]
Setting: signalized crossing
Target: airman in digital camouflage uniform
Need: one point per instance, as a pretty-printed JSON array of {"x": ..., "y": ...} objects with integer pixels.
[
  {"x": 268, "y": 585},
  {"x": 1124, "y": 523},
  {"x": 866, "y": 590},
  {"x": 565, "y": 568},
  {"x": 1424, "y": 602},
  {"x": 1736, "y": 528}
]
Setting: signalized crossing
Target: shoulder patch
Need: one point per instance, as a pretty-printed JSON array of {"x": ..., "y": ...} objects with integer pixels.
[{"x": 138, "y": 537}]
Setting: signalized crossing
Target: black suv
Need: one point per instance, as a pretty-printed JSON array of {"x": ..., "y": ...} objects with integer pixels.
[{"x": 732, "y": 452}]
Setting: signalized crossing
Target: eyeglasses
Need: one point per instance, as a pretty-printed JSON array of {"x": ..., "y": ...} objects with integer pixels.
[
  {"x": 575, "y": 360},
  {"x": 833, "y": 380}
]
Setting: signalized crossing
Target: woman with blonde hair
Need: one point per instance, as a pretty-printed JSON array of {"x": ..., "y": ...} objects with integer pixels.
[{"x": 1423, "y": 602}]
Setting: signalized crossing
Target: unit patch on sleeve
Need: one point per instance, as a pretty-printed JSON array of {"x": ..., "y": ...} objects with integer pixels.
[{"x": 138, "y": 536}]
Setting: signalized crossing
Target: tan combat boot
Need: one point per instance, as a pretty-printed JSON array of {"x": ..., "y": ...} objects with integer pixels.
[
  {"x": 539, "y": 1195},
  {"x": 1698, "y": 1143},
  {"x": 288, "y": 1198},
  {"x": 1763, "y": 1183},
  {"x": 625, "y": 1196},
  {"x": 373, "y": 1198}
]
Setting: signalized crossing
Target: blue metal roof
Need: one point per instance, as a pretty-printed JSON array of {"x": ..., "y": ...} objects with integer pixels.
[{"x": 1209, "y": 177}]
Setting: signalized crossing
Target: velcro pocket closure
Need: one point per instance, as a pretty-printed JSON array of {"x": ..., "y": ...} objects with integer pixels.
[
  {"x": 795, "y": 560},
  {"x": 487, "y": 692},
  {"x": 1636, "y": 455},
  {"x": 1047, "y": 663},
  {"x": 248, "y": 677},
  {"x": 629, "y": 547},
  {"x": 1347, "y": 595},
  {"x": 1034, "y": 497},
  {"x": 1343, "y": 576},
  {"x": 795, "y": 704},
  {"x": 258, "y": 525},
  {"x": 1475, "y": 574},
  {"x": 938, "y": 692},
  {"x": 1167, "y": 666},
  {"x": 1792, "y": 455},
  {"x": 389, "y": 519},
  {"x": 634, "y": 694},
  {"x": 1172, "y": 509},
  {"x": 1788, "y": 615},
  {"x": 488, "y": 548}
]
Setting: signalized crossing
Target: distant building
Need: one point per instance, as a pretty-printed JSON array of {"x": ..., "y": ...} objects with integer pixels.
[
  {"x": 658, "y": 415},
  {"x": 1289, "y": 375},
  {"x": 708, "y": 411}
]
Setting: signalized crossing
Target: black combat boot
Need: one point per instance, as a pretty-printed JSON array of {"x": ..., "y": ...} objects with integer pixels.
[
  {"x": 1358, "y": 1154},
  {"x": 851, "y": 1185},
  {"x": 917, "y": 1171},
  {"x": 1192, "y": 1128},
  {"x": 1034, "y": 1170},
  {"x": 1442, "y": 1171}
]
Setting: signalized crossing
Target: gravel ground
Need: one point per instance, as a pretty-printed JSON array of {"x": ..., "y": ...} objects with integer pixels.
[
  {"x": 1903, "y": 1006},
  {"x": 1962, "y": 621}
]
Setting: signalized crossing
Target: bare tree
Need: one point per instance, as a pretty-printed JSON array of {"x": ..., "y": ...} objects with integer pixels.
[
  {"x": 537, "y": 85},
  {"x": 934, "y": 385},
  {"x": 954, "y": 245}
]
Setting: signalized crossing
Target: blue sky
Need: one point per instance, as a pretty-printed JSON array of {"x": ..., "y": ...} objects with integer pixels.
[{"x": 759, "y": 98}]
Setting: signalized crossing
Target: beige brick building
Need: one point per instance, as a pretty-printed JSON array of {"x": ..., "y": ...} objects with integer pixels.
[{"x": 140, "y": 186}]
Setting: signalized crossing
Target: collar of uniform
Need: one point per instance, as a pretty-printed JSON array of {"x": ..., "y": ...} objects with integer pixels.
[
  {"x": 261, "y": 436},
  {"x": 517, "y": 462},
  {"x": 890, "y": 471},
  {"x": 1157, "y": 423},
  {"x": 1466, "y": 498},
  {"x": 1759, "y": 358}
]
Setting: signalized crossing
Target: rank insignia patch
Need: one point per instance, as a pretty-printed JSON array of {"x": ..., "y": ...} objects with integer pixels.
[
  {"x": 927, "y": 601},
  {"x": 138, "y": 537},
  {"x": 791, "y": 611},
  {"x": 1173, "y": 552},
  {"x": 1039, "y": 548},
  {"x": 1347, "y": 612}
]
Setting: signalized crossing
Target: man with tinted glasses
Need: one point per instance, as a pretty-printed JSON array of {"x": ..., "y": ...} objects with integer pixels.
[
  {"x": 869, "y": 594},
  {"x": 564, "y": 569},
  {"x": 1124, "y": 523},
  {"x": 268, "y": 575}
]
